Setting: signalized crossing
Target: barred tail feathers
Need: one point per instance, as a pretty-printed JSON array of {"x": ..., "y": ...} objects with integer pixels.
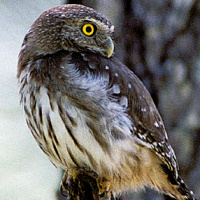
[{"x": 179, "y": 190}]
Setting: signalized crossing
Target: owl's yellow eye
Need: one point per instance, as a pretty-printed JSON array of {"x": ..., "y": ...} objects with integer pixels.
[{"x": 88, "y": 29}]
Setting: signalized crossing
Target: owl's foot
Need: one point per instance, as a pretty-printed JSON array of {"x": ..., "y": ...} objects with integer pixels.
[
  {"x": 80, "y": 184},
  {"x": 67, "y": 185},
  {"x": 104, "y": 189}
]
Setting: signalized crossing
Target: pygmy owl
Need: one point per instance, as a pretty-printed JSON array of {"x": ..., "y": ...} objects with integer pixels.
[{"x": 87, "y": 110}]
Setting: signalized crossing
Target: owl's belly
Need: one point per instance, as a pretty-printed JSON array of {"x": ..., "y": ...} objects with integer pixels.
[
  {"x": 68, "y": 135},
  {"x": 72, "y": 138}
]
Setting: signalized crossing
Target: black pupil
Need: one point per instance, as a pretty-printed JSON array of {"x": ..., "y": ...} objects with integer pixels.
[{"x": 88, "y": 29}]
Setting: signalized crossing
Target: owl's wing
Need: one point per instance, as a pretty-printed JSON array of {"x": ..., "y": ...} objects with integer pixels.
[{"x": 148, "y": 126}]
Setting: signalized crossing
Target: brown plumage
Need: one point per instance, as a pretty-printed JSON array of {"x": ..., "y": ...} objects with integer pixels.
[{"x": 88, "y": 110}]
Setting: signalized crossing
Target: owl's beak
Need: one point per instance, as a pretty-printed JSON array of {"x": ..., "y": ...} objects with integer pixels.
[{"x": 109, "y": 47}]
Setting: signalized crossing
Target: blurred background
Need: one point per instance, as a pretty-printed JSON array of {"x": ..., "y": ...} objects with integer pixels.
[{"x": 157, "y": 39}]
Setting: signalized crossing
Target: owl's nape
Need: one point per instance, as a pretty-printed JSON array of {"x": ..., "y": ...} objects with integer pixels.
[{"x": 88, "y": 112}]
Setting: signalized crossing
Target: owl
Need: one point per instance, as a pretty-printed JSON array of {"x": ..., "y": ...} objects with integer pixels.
[{"x": 88, "y": 111}]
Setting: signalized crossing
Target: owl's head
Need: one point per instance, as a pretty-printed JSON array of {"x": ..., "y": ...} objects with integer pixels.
[{"x": 69, "y": 27}]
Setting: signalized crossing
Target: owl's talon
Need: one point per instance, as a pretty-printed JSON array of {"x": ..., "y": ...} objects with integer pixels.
[
  {"x": 106, "y": 195},
  {"x": 104, "y": 188},
  {"x": 64, "y": 191},
  {"x": 67, "y": 185},
  {"x": 73, "y": 181},
  {"x": 63, "y": 187}
]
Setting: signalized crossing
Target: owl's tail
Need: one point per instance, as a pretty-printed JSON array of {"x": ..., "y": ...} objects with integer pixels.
[
  {"x": 179, "y": 190},
  {"x": 183, "y": 190}
]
